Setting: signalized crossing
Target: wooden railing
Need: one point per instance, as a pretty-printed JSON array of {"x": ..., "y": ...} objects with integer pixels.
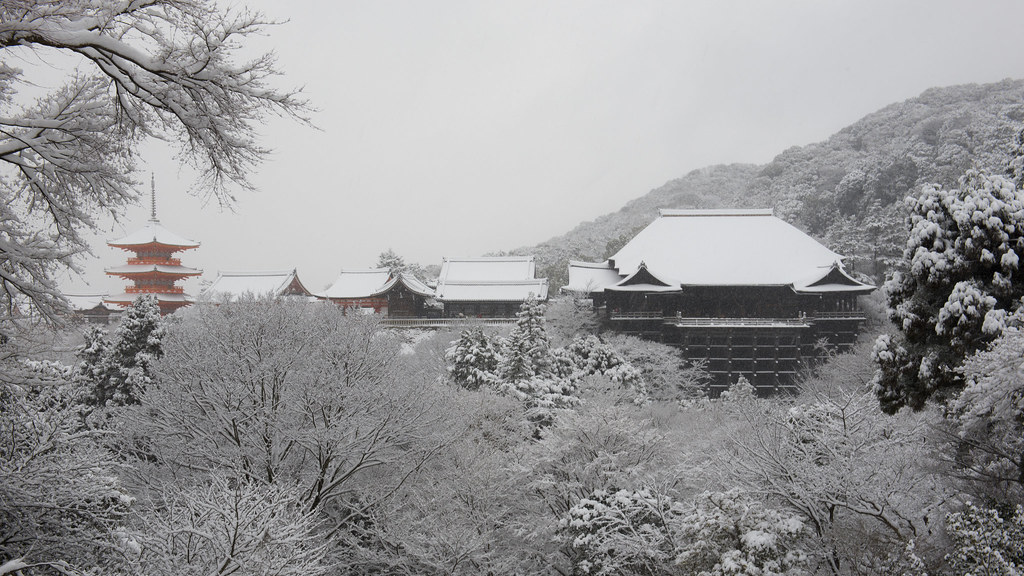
[
  {"x": 155, "y": 260},
  {"x": 844, "y": 315},
  {"x": 154, "y": 290},
  {"x": 636, "y": 316},
  {"x": 738, "y": 322},
  {"x": 444, "y": 322}
]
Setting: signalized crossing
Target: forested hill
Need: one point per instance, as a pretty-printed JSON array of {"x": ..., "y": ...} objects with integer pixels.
[{"x": 846, "y": 191}]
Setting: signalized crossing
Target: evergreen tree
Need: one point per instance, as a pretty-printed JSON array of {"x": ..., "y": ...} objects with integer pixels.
[
  {"x": 527, "y": 350},
  {"x": 121, "y": 372},
  {"x": 1015, "y": 167},
  {"x": 956, "y": 287},
  {"x": 92, "y": 355},
  {"x": 473, "y": 359},
  {"x": 392, "y": 261}
]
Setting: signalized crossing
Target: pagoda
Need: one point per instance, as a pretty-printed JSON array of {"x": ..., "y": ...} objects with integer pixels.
[{"x": 154, "y": 269}]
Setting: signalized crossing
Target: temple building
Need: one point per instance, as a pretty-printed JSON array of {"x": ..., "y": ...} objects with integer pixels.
[
  {"x": 261, "y": 284},
  {"x": 489, "y": 287},
  {"x": 377, "y": 291},
  {"x": 740, "y": 289},
  {"x": 153, "y": 269}
]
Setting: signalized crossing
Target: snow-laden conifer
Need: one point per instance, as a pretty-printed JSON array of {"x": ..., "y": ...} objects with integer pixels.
[
  {"x": 958, "y": 285},
  {"x": 118, "y": 375}
]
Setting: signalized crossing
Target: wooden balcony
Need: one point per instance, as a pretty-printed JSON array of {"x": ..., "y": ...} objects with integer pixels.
[
  {"x": 154, "y": 290},
  {"x": 444, "y": 322},
  {"x": 155, "y": 260}
]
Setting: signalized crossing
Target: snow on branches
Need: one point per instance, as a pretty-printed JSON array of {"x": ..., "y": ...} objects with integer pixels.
[
  {"x": 957, "y": 287},
  {"x": 162, "y": 68}
]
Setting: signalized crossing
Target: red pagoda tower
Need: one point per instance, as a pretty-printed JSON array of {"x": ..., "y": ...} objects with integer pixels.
[{"x": 153, "y": 270}]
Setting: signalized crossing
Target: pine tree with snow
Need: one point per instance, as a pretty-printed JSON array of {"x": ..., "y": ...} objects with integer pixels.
[
  {"x": 92, "y": 355},
  {"x": 527, "y": 350},
  {"x": 956, "y": 288},
  {"x": 126, "y": 368},
  {"x": 473, "y": 359}
]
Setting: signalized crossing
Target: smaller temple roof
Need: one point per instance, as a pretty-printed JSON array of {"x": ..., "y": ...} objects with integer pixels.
[
  {"x": 490, "y": 279},
  {"x": 126, "y": 298},
  {"x": 487, "y": 269},
  {"x": 497, "y": 291},
  {"x": 590, "y": 277},
  {"x": 81, "y": 302},
  {"x": 643, "y": 280},
  {"x": 234, "y": 284},
  {"x": 153, "y": 233},
  {"x": 832, "y": 279},
  {"x": 357, "y": 283},
  {"x": 411, "y": 282}
]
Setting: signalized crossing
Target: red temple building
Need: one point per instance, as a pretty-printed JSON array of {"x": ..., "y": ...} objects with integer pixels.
[{"x": 154, "y": 269}]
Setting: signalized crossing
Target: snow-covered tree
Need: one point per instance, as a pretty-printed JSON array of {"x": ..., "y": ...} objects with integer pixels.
[
  {"x": 732, "y": 534},
  {"x": 286, "y": 393},
  {"x": 60, "y": 496},
  {"x": 473, "y": 359},
  {"x": 123, "y": 371},
  {"x": 986, "y": 541},
  {"x": 957, "y": 286},
  {"x": 397, "y": 265},
  {"x": 527, "y": 350},
  {"x": 989, "y": 414},
  {"x": 224, "y": 526},
  {"x": 621, "y": 532},
  {"x": 865, "y": 484},
  {"x": 142, "y": 68},
  {"x": 719, "y": 534},
  {"x": 1015, "y": 166}
]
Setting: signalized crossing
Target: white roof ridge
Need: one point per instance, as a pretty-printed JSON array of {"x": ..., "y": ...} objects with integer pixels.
[
  {"x": 364, "y": 270},
  {"x": 488, "y": 258},
  {"x": 585, "y": 264},
  {"x": 256, "y": 272},
  {"x": 493, "y": 282},
  {"x": 671, "y": 212}
]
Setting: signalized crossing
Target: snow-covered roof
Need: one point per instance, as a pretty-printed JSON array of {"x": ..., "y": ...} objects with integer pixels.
[
  {"x": 153, "y": 233},
  {"x": 834, "y": 279},
  {"x": 487, "y": 269},
  {"x": 234, "y": 284},
  {"x": 490, "y": 279},
  {"x": 498, "y": 291},
  {"x": 412, "y": 283},
  {"x": 725, "y": 248},
  {"x": 588, "y": 277},
  {"x": 643, "y": 280},
  {"x": 357, "y": 283},
  {"x": 170, "y": 270},
  {"x": 127, "y": 299},
  {"x": 81, "y": 302}
]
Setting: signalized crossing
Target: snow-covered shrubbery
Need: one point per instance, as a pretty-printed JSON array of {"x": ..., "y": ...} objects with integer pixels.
[
  {"x": 989, "y": 415},
  {"x": 525, "y": 366},
  {"x": 986, "y": 541},
  {"x": 642, "y": 532}
]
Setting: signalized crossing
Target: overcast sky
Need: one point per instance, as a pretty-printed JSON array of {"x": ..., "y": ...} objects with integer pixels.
[{"x": 457, "y": 128}]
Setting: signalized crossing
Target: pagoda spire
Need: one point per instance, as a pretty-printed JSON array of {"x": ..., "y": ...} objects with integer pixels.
[{"x": 152, "y": 197}]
